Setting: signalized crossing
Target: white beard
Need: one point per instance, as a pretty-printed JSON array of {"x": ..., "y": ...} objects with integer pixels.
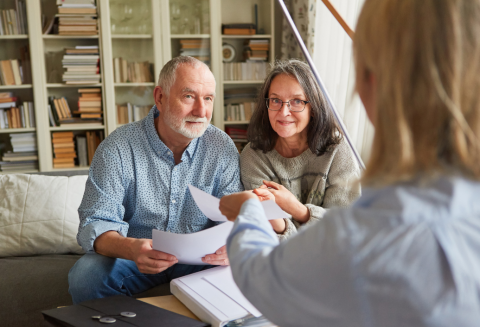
[{"x": 180, "y": 125}]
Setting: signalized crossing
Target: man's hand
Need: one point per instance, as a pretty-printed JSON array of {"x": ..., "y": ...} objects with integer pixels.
[
  {"x": 219, "y": 258},
  {"x": 148, "y": 260},
  {"x": 230, "y": 204}
]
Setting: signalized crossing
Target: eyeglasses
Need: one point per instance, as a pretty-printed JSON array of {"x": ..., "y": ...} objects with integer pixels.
[{"x": 294, "y": 105}]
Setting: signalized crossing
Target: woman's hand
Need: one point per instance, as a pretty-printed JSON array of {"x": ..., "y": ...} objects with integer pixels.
[
  {"x": 264, "y": 194},
  {"x": 230, "y": 204},
  {"x": 287, "y": 201}
]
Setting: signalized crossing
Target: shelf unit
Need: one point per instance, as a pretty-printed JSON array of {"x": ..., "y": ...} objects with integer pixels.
[
  {"x": 10, "y": 49},
  {"x": 154, "y": 35}
]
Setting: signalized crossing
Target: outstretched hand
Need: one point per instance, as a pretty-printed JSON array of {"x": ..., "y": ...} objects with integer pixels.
[
  {"x": 285, "y": 200},
  {"x": 230, "y": 204}
]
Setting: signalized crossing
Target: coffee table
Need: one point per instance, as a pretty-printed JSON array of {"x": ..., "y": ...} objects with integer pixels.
[{"x": 170, "y": 303}]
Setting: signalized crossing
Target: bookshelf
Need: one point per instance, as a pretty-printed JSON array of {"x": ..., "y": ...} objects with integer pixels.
[
  {"x": 138, "y": 31},
  {"x": 227, "y": 118}
]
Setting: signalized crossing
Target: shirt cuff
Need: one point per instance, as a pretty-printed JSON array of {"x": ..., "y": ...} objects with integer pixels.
[
  {"x": 252, "y": 216},
  {"x": 89, "y": 233}
]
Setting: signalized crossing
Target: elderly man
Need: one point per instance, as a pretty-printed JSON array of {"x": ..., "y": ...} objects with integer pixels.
[{"x": 138, "y": 181}]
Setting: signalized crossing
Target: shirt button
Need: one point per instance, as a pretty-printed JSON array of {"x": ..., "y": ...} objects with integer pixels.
[{"x": 173, "y": 201}]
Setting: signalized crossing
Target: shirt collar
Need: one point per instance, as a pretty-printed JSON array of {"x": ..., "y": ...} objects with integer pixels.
[{"x": 155, "y": 141}]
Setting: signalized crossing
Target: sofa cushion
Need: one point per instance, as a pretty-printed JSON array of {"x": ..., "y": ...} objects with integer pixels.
[{"x": 38, "y": 214}]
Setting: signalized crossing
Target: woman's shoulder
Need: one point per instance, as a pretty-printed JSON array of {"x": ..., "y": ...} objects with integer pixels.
[
  {"x": 248, "y": 153},
  {"x": 254, "y": 160}
]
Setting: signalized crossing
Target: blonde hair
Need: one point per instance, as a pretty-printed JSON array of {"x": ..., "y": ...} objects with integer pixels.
[{"x": 425, "y": 56}]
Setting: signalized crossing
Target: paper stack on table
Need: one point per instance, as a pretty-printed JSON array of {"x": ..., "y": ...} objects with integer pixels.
[
  {"x": 213, "y": 296},
  {"x": 191, "y": 248}
]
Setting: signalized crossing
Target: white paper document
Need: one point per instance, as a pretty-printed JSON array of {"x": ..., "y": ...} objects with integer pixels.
[
  {"x": 191, "y": 248},
  {"x": 209, "y": 205}
]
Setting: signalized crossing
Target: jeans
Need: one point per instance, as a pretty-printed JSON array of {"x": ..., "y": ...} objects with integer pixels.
[{"x": 96, "y": 276}]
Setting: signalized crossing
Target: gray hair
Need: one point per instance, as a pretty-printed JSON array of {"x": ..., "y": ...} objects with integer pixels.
[
  {"x": 169, "y": 71},
  {"x": 323, "y": 132}
]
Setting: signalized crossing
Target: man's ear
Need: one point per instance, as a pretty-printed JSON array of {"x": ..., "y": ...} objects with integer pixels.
[{"x": 158, "y": 96}]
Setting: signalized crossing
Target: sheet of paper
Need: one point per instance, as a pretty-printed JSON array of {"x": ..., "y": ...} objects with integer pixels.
[
  {"x": 190, "y": 248},
  {"x": 222, "y": 279},
  {"x": 209, "y": 205},
  {"x": 214, "y": 296}
]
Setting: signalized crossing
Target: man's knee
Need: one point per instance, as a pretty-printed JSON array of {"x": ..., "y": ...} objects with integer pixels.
[{"x": 92, "y": 277}]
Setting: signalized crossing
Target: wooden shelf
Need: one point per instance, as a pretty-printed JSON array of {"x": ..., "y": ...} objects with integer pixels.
[
  {"x": 66, "y": 37},
  {"x": 131, "y": 36},
  {"x": 243, "y": 82},
  {"x": 12, "y": 87},
  {"x": 236, "y": 122},
  {"x": 190, "y": 36},
  {"x": 134, "y": 84},
  {"x": 14, "y": 37},
  {"x": 19, "y": 172},
  {"x": 240, "y": 140},
  {"x": 17, "y": 130},
  {"x": 60, "y": 85},
  {"x": 76, "y": 127},
  {"x": 72, "y": 168},
  {"x": 255, "y": 36}
]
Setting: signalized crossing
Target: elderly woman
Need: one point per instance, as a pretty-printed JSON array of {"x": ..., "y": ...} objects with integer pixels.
[
  {"x": 407, "y": 253},
  {"x": 296, "y": 155}
]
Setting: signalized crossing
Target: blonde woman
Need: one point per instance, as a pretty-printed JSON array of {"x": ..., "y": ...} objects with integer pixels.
[{"x": 407, "y": 253}]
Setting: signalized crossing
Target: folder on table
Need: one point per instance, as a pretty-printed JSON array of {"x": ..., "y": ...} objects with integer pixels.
[
  {"x": 213, "y": 296},
  {"x": 145, "y": 314}
]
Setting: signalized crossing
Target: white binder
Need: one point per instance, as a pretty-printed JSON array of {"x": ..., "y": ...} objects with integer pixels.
[{"x": 213, "y": 296}]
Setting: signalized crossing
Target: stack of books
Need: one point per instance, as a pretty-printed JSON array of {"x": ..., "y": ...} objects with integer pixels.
[
  {"x": 60, "y": 109},
  {"x": 239, "y": 111},
  {"x": 63, "y": 150},
  {"x": 13, "y": 116},
  {"x": 90, "y": 104},
  {"x": 238, "y": 135},
  {"x": 239, "y": 29},
  {"x": 245, "y": 71},
  {"x": 93, "y": 141},
  {"x": 128, "y": 113},
  {"x": 82, "y": 65},
  {"x": 14, "y": 21},
  {"x": 18, "y": 161},
  {"x": 10, "y": 72},
  {"x": 24, "y": 154},
  {"x": 197, "y": 48},
  {"x": 132, "y": 72},
  {"x": 257, "y": 50},
  {"x": 239, "y": 104},
  {"x": 75, "y": 17}
]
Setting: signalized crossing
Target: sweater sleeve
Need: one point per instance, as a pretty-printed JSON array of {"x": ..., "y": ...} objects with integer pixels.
[
  {"x": 343, "y": 186},
  {"x": 254, "y": 170}
]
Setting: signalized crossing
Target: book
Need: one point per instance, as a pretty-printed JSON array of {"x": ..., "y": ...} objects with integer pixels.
[
  {"x": 7, "y": 72},
  {"x": 16, "y": 71}
]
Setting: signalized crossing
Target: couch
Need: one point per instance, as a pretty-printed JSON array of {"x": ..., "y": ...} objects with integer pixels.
[{"x": 38, "y": 227}]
